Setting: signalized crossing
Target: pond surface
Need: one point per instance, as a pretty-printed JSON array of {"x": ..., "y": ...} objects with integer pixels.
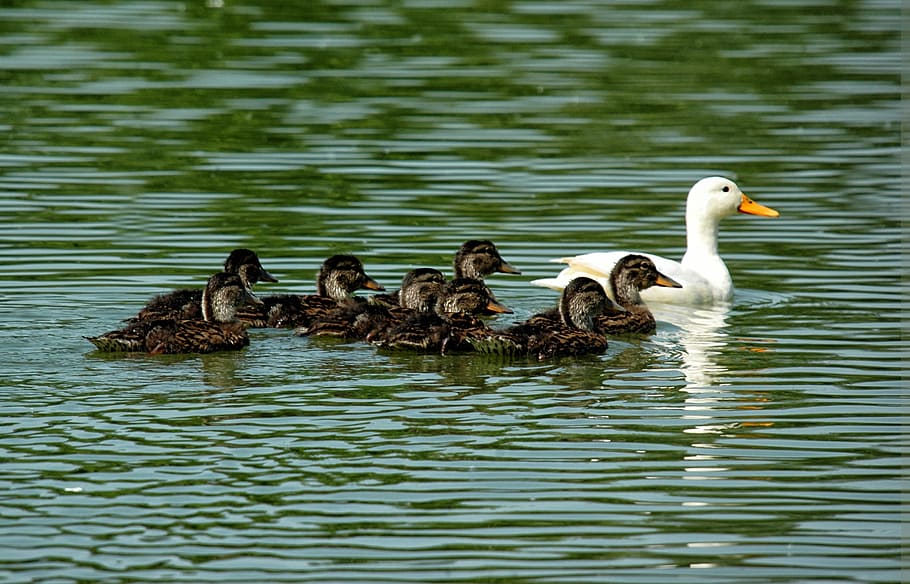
[{"x": 142, "y": 141}]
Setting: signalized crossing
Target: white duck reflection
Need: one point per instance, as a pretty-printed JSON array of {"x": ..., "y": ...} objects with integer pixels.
[{"x": 700, "y": 339}]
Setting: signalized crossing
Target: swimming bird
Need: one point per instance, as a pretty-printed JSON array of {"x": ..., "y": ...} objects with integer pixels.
[
  {"x": 338, "y": 277},
  {"x": 478, "y": 258},
  {"x": 475, "y": 259},
  {"x": 454, "y": 317},
  {"x": 702, "y": 274},
  {"x": 631, "y": 275},
  {"x": 187, "y": 303},
  {"x": 575, "y": 331},
  {"x": 420, "y": 290},
  {"x": 217, "y": 330}
]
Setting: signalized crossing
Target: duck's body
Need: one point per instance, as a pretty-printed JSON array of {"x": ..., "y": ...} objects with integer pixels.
[
  {"x": 702, "y": 274},
  {"x": 217, "y": 330},
  {"x": 338, "y": 277},
  {"x": 443, "y": 330},
  {"x": 419, "y": 293},
  {"x": 574, "y": 332},
  {"x": 186, "y": 304}
]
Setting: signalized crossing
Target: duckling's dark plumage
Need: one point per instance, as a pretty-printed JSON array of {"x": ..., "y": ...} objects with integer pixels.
[
  {"x": 475, "y": 259},
  {"x": 338, "y": 277},
  {"x": 218, "y": 329},
  {"x": 631, "y": 274},
  {"x": 420, "y": 290},
  {"x": 444, "y": 330},
  {"x": 575, "y": 332},
  {"x": 187, "y": 303}
]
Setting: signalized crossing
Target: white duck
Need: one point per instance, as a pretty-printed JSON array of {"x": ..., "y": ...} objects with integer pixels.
[{"x": 703, "y": 275}]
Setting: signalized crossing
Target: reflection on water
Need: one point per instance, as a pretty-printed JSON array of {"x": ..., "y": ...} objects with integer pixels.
[
  {"x": 700, "y": 338},
  {"x": 756, "y": 443}
]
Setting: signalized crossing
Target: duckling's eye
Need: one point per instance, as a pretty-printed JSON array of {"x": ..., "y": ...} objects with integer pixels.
[{"x": 726, "y": 189}]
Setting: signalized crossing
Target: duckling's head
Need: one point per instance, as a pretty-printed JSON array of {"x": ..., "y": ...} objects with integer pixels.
[
  {"x": 713, "y": 198},
  {"x": 583, "y": 299},
  {"x": 469, "y": 296},
  {"x": 479, "y": 258},
  {"x": 246, "y": 257},
  {"x": 340, "y": 275},
  {"x": 420, "y": 289},
  {"x": 634, "y": 273},
  {"x": 223, "y": 295}
]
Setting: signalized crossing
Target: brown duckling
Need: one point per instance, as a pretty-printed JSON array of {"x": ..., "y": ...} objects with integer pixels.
[
  {"x": 574, "y": 332},
  {"x": 187, "y": 303},
  {"x": 475, "y": 259},
  {"x": 628, "y": 314},
  {"x": 420, "y": 289},
  {"x": 338, "y": 277},
  {"x": 478, "y": 258},
  {"x": 453, "y": 318},
  {"x": 632, "y": 274},
  {"x": 217, "y": 330}
]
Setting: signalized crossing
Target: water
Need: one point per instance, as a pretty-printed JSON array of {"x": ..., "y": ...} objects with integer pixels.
[{"x": 144, "y": 140}]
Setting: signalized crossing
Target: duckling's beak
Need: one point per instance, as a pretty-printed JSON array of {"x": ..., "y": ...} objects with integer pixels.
[
  {"x": 750, "y": 207},
  {"x": 371, "y": 284},
  {"x": 496, "y": 307},
  {"x": 667, "y": 281},
  {"x": 613, "y": 308},
  {"x": 265, "y": 276},
  {"x": 252, "y": 298},
  {"x": 507, "y": 268}
]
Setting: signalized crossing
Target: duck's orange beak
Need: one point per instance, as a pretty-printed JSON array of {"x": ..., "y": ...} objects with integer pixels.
[
  {"x": 495, "y": 307},
  {"x": 666, "y": 281},
  {"x": 507, "y": 268},
  {"x": 371, "y": 284},
  {"x": 750, "y": 207}
]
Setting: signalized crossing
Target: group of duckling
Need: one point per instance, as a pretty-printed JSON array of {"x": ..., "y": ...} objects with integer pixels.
[{"x": 428, "y": 313}]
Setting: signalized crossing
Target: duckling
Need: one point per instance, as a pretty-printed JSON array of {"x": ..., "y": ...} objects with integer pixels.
[
  {"x": 187, "y": 303},
  {"x": 420, "y": 289},
  {"x": 454, "y": 317},
  {"x": 338, "y": 277},
  {"x": 575, "y": 332},
  {"x": 632, "y": 274},
  {"x": 478, "y": 258},
  {"x": 629, "y": 314},
  {"x": 475, "y": 259},
  {"x": 217, "y": 330}
]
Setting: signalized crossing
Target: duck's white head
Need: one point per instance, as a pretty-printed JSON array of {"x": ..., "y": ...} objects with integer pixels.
[{"x": 713, "y": 198}]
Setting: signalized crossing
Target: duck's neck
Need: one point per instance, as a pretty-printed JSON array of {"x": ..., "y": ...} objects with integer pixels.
[
  {"x": 467, "y": 269},
  {"x": 216, "y": 308},
  {"x": 701, "y": 234},
  {"x": 625, "y": 291},
  {"x": 575, "y": 314},
  {"x": 701, "y": 255},
  {"x": 332, "y": 287}
]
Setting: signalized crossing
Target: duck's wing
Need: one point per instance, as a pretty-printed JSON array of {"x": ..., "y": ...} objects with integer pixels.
[
  {"x": 632, "y": 321},
  {"x": 565, "y": 341},
  {"x": 179, "y": 304},
  {"x": 195, "y": 336},
  {"x": 130, "y": 339}
]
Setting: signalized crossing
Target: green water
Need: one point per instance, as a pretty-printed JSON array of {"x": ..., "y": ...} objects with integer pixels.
[{"x": 144, "y": 140}]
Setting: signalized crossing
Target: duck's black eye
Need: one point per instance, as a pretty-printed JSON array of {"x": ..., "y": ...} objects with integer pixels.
[{"x": 726, "y": 189}]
